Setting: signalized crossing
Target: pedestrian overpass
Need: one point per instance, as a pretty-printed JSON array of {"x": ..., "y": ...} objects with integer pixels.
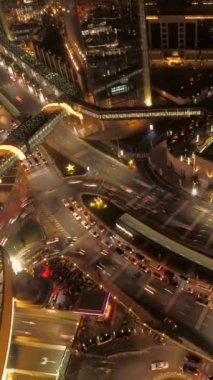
[
  {"x": 61, "y": 89},
  {"x": 65, "y": 101}
]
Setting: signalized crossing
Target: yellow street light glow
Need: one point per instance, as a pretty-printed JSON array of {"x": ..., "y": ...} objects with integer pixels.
[
  {"x": 13, "y": 149},
  {"x": 148, "y": 101},
  {"x": 16, "y": 265},
  {"x": 66, "y": 107},
  {"x": 131, "y": 163}
]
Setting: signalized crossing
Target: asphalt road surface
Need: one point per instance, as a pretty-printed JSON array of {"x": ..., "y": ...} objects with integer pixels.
[
  {"x": 48, "y": 326},
  {"x": 35, "y": 358},
  {"x": 145, "y": 290}
]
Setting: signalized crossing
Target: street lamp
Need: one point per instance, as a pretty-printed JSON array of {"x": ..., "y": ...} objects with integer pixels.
[{"x": 131, "y": 163}]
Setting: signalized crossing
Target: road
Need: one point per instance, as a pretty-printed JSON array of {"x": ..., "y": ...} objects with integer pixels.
[
  {"x": 183, "y": 218},
  {"x": 29, "y": 105},
  {"x": 32, "y": 323},
  {"x": 131, "y": 358},
  {"x": 145, "y": 291},
  {"x": 35, "y": 359},
  {"x": 48, "y": 190}
]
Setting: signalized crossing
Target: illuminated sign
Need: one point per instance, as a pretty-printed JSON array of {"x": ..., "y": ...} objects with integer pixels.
[{"x": 120, "y": 89}]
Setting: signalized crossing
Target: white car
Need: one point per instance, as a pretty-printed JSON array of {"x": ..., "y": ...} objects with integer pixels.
[
  {"x": 81, "y": 252},
  {"x": 13, "y": 220},
  {"x": 65, "y": 202},
  {"x": 85, "y": 224},
  {"x": 158, "y": 365},
  {"x": 4, "y": 241},
  {"x": 94, "y": 233},
  {"x": 53, "y": 240},
  {"x": 104, "y": 252},
  {"x": 76, "y": 216}
]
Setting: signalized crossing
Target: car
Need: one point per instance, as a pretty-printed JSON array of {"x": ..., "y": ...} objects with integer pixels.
[
  {"x": 52, "y": 240},
  {"x": 79, "y": 208},
  {"x": 25, "y": 203},
  {"x": 81, "y": 252},
  {"x": 100, "y": 266},
  {"x": 144, "y": 268},
  {"x": 103, "y": 339},
  {"x": 86, "y": 214},
  {"x": 92, "y": 221},
  {"x": 133, "y": 260},
  {"x": 170, "y": 323},
  {"x": 139, "y": 256},
  {"x": 128, "y": 249},
  {"x": 76, "y": 216},
  {"x": 25, "y": 214},
  {"x": 203, "y": 299},
  {"x": 101, "y": 229},
  {"x": 94, "y": 234},
  {"x": 191, "y": 369},
  {"x": 104, "y": 252},
  {"x": 159, "y": 365},
  {"x": 158, "y": 275},
  {"x": 72, "y": 201},
  {"x": 85, "y": 346},
  {"x": 85, "y": 224},
  {"x": 159, "y": 338},
  {"x": 193, "y": 358},
  {"x": 4, "y": 241},
  {"x": 107, "y": 243},
  {"x": 19, "y": 98},
  {"x": 13, "y": 220},
  {"x": 169, "y": 274},
  {"x": 65, "y": 202}
]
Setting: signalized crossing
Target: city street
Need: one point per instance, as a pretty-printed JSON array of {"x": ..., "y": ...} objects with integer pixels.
[
  {"x": 35, "y": 358},
  {"x": 32, "y": 323},
  {"x": 120, "y": 272},
  {"x": 43, "y": 334}
]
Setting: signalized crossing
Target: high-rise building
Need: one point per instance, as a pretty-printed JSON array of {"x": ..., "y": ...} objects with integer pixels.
[{"x": 20, "y": 19}]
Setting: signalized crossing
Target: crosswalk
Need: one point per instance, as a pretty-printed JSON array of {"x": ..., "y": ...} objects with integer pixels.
[{"x": 53, "y": 220}]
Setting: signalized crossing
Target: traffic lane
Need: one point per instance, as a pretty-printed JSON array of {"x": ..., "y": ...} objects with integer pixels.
[
  {"x": 138, "y": 284},
  {"x": 25, "y": 102},
  {"x": 133, "y": 365},
  {"x": 144, "y": 290},
  {"x": 5, "y": 77},
  {"x": 39, "y": 359},
  {"x": 32, "y": 326},
  {"x": 161, "y": 218},
  {"x": 87, "y": 156},
  {"x": 205, "y": 325}
]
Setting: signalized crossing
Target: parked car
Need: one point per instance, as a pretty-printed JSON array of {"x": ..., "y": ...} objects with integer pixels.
[
  {"x": 193, "y": 358},
  {"x": 159, "y": 365},
  {"x": 188, "y": 368},
  {"x": 103, "y": 339}
]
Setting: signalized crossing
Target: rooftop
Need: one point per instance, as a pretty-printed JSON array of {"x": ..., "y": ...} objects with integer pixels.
[{"x": 93, "y": 302}]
